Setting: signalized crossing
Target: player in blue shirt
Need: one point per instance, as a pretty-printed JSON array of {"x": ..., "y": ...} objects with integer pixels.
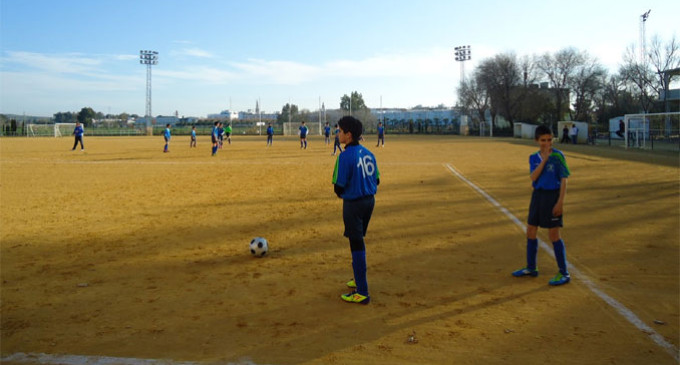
[
  {"x": 355, "y": 179},
  {"x": 78, "y": 132},
  {"x": 220, "y": 135},
  {"x": 327, "y": 134},
  {"x": 303, "y": 135},
  {"x": 549, "y": 172},
  {"x": 337, "y": 146},
  {"x": 381, "y": 135},
  {"x": 270, "y": 135},
  {"x": 193, "y": 137},
  {"x": 214, "y": 136},
  {"x": 166, "y": 136}
]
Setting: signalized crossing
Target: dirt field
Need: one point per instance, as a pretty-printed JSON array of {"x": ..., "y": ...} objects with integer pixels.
[{"x": 124, "y": 251}]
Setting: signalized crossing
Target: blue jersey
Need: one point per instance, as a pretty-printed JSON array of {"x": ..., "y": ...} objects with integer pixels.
[
  {"x": 357, "y": 172},
  {"x": 337, "y": 131},
  {"x": 303, "y": 131},
  {"x": 193, "y": 133},
  {"x": 554, "y": 170},
  {"x": 327, "y": 131},
  {"x": 167, "y": 133},
  {"x": 381, "y": 131},
  {"x": 270, "y": 131},
  {"x": 78, "y": 131}
]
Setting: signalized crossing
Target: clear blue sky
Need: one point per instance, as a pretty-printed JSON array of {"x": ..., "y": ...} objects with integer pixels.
[{"x": 62, "y": 55}]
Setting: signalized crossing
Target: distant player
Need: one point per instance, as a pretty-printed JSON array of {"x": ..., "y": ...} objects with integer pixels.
[
  {"x": 78, "y": 132},
  {"x": 193, "y": 136},
  {"x": 356, "y": 179},
  {"x": 303, "y": 135},
  {"x": 549, "y": 174},
  {"x": 270, "y": 135},
  {"x": 220, "y": 135},
  {"x": 214, "y": 136},
  {"x": 337, "y": 146},
  {"x": 166, "y": 136},
  {"x": 327, "y": 134},
  {"x": 227, "y": 131},
  {"x": 381, "y": 135}
]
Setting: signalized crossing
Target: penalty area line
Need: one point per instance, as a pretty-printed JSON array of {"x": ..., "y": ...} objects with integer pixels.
[{"x": 622, "y": 309}]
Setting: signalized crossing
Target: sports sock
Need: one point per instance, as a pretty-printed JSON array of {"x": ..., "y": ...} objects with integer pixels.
[
  {"x": 532, "y": 250},
  {"x": 214, "y": 150},
  {"x": 359, "y": 267},
  {"x": 560, "y": 256}
]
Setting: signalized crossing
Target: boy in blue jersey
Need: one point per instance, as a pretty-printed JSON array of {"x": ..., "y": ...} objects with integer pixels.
[
  {"x": 78, "y": 132},
  {"x": 549, "y": 172},
  {"x": 215, "y": 138},
  {"x": 270, "y": 135},
  {"x": 166, "y": 136},
  {"x": 381, "y": 135},
  {"x": 193, "y": 137},
  {"x": 327, "y": 134},
  {"x": 220, "y": 135},
  {"x": 356, "y": 178},
  {"x": 303, "y": 135},
  {"x": 337, "y": 146}
]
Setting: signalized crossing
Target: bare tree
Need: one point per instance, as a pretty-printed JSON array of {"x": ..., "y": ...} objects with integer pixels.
[
  {"x": 585, "y": 83},
  {"x": 560, "y": 69},
  {"x": 500, "y": 76},
  {"x": 473, "y": 97}
]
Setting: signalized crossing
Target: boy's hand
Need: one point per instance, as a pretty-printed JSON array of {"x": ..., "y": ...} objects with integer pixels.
[{"x": 557, "y": 210}]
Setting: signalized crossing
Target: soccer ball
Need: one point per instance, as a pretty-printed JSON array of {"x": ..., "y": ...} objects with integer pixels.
[{"x": 259, "y": 247}]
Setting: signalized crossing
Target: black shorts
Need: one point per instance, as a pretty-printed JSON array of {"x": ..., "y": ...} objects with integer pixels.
[
  {"x": 540, "y": 209},
  {"x": 356, "y": 214},
  {"x": 214, "y": 140}
]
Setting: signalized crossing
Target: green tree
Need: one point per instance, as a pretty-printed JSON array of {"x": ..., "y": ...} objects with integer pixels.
[
  {"x": 289, "y": 113},
  {"x": 352, "y": 103},
  {"x": 85, "y": 116}
]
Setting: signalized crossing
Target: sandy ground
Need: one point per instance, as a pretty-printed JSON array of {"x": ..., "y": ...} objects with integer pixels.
[{"x": 124, "y": 251}]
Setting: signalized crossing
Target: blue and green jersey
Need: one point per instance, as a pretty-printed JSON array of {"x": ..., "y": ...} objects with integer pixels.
[{"x": 554, "y": 170}]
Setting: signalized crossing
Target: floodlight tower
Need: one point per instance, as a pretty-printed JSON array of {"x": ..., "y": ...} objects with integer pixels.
[
  {"x": 643, "y": 35},
  {"x": 463, "y": 53},
  {"x": 148, "y": 58}
]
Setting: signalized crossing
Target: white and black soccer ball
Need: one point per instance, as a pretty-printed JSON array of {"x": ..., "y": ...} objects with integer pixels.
[{"x": 259, "y": 247}]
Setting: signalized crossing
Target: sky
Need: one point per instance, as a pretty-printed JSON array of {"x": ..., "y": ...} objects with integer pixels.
[{"x": 214, "y": 55}]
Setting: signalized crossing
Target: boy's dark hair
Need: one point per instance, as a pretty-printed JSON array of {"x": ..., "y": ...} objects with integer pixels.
[
  {"x": 216, "y": 123},
  {"x": 167, "y": 125},
  {"x": 542, "y": 130},
  {"x": 352, "y": 125}
]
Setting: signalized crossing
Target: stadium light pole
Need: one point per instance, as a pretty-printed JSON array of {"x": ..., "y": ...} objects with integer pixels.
[
  {"x": 462, "y": 53},
  {"x": 148, "y": 58}
]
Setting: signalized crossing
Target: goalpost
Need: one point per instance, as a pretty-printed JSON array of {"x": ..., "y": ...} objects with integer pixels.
[{"x": 652, "y": 131}]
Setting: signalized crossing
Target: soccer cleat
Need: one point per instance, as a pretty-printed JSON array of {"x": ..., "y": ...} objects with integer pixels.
[
  {"x": 352, "y": 284},
  {"x": 355, "y": 297},
  {"x": 559, "y": 279},
  {"x": 525, "y": 272}
]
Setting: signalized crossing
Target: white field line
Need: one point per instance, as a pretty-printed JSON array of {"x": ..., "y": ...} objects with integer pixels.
[{"x": 623, "y": 311}]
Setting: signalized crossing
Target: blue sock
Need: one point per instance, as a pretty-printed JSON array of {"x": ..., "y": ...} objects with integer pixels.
[
  {"x": 359, "y": 267},
  {"x": 305, "y": 144},
  {"x": 532, "y": 250},
  {"x": 560, "y": 256},
  {"x": 214, "y": 149}
]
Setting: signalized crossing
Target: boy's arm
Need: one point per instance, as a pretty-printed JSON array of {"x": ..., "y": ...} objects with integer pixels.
[
  {"x": 538, "y": 170},
  {"x": 557, "y": 209}
]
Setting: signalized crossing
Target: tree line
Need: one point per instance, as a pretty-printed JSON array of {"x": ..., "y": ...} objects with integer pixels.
[{"x": 569, "y": 84}]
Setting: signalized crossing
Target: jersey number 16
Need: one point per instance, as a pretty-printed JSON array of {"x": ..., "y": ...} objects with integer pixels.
[{"x": 367, "y": 166}]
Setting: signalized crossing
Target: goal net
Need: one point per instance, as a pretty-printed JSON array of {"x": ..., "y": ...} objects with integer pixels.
[
  {"x": 653, "y": 131},
  {"x": 63, "y": 129},
  {"x": 50, "y": 130}
]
